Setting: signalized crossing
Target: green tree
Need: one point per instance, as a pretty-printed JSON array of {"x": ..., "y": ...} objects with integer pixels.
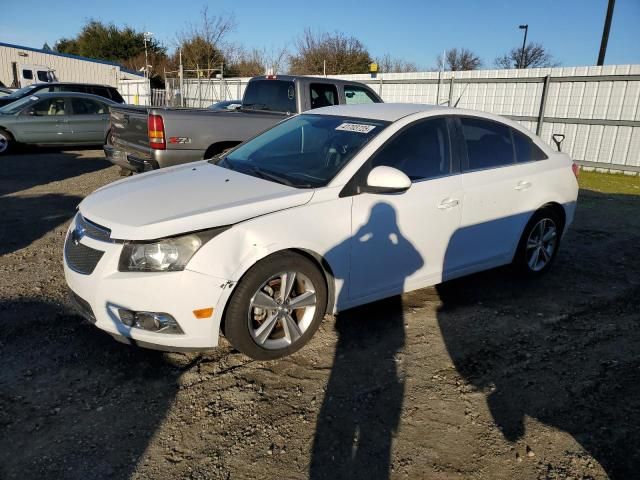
[{"x": 108, "y": 42}]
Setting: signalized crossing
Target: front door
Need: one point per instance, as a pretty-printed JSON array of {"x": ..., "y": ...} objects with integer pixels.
[
  {"x": 46, "y": 122},
  {"x": 399, "y": 241}
]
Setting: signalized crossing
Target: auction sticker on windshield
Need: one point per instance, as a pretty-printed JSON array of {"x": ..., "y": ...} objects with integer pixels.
[{"x": 355, "y": 127}]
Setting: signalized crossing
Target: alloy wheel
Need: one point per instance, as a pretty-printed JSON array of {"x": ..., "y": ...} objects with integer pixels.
[
  {"x": 281, "y": 310},
  {"x": 4, "y": 143},
  {"x": 541, "y": 244}
]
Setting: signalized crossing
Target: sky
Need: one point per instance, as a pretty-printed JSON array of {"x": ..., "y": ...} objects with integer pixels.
[{"x": 413, "y": 30}]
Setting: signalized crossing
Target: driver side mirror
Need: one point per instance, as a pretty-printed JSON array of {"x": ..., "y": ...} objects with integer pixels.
[
  {"x": 387, "y": 180},
  {"x": 31, "y": 112}
]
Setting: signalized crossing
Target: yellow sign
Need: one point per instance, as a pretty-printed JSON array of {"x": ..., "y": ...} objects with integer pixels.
[{"x": 373, "y": 67}]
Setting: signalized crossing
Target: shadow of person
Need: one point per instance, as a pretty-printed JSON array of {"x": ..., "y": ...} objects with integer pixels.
[
  {"x": 361, "y": 409},
  {"x": 563, "y": 348}
]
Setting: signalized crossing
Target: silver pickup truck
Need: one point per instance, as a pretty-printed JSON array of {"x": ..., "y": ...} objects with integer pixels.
[{"x": 141, "y": 138}]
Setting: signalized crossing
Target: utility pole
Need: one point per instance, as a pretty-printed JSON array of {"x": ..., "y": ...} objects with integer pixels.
[
  {"x": 147, "y": 37},
  {"x": 524, "y": 44},
  {"x": 605, "y": 33}
]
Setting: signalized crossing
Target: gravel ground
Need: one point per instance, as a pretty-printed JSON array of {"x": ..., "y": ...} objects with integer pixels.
[{"x": 489, "y": 377}]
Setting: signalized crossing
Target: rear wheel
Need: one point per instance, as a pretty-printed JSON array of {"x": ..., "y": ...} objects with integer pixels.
[
  {"x": 6, "y": 142},
  {"x": 539, "y": 242},
  {"x": 277, "y": 307}
]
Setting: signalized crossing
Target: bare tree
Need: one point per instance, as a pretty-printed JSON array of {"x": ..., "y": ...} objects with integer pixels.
[
  {"x": 202, "y": 44},
  {"x": 387, "y": 64},
  {"x": 458, "y": 59},
  {"x": 535, "y": 56},
  {"x": 342, "y": 54}
]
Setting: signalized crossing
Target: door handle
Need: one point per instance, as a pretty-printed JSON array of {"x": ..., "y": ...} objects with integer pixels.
[
  {"x": 448, "y": 203},
  {"x": 523, "y": 185}
]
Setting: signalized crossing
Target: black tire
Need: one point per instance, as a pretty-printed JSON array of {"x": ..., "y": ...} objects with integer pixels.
[
  {"x": 236, "y": 321},
  {"x": 523, "y": 259},
  {"x": 6, "y": 142}
]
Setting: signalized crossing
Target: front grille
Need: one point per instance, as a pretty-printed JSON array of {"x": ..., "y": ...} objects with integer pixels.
[
  {"x": 82, "y": 306},
  {"x": 80, "y": 258},
  {"x": 93, "y": 230}
]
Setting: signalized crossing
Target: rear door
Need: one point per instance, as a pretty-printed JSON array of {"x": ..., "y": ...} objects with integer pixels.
[
  {"x": 488, "y": 228},
  {"x": 88, "y": 120},
  {"x": 46, "y": 122}
]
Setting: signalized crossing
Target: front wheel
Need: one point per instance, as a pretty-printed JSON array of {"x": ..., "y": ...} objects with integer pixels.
[
  {"x": 539, "y": 243},
  {"x": 6, "y": 142},
  {"x": 277, "y": 307}
]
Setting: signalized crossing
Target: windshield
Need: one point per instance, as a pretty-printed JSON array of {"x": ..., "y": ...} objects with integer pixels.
[
  {"x": 22, "y": 92},
  {"x": 18, "y": 105},
  {"x": 306, "y": 151}
]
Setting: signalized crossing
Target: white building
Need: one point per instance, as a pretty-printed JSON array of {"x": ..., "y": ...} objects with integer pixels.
[{"x": 20, "y": 66}]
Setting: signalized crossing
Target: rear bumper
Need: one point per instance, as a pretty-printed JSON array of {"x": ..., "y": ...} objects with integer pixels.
[
  {"x": 129, "y": 161},
  {"x": 158, "y": 159}
]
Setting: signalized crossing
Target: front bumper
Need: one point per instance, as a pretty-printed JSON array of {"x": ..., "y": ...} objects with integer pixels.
[{"x": 99, "y": 295}]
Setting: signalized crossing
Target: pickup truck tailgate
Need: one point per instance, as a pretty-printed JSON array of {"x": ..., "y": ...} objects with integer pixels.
[{"x": 129, "y": 128}]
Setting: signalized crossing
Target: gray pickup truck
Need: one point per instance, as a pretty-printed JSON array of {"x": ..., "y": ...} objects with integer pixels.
[{"x": 141, "y": 138}]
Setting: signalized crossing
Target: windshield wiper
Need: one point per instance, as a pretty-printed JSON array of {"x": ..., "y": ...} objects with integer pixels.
[{"x": 274, "y": 177}]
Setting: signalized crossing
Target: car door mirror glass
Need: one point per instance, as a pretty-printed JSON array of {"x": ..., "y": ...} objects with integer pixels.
[{"x": 384, "y": 179}]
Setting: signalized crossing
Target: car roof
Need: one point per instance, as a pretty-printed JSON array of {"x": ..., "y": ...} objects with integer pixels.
[
  {"x": 47, "y": 84},
  {"x": 376, "y": 111},
  {"x": 71, "y": 95}
]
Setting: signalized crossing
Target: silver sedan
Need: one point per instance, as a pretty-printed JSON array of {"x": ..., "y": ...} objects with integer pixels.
[{"x": 54, "y": 119}]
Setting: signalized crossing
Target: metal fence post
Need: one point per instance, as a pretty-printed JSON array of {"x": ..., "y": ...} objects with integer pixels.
[
  {"x": 543, "y": 104},
  {"x": 451, "y": 90}
]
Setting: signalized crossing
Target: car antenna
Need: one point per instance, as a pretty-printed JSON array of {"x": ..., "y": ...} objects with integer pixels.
[{"x": 460, "y": 97}]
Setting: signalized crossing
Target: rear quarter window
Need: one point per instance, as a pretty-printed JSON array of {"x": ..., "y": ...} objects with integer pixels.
[{"x": 526, "y": 150}]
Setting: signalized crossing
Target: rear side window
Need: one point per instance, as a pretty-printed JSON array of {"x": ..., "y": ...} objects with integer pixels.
[
  {"x": 115, "y": 95},
  {"x": 526, "y": 150},
  {"x": 421, "y": 151},
  {"x": 271, "y": 95},
  {"x": 358, "y": 95},
  {"x": 323, "y": 95},
  {"x": 100, "y": 91},
  {"x": 73, "y": 88},
  {"x": 86, "y": 106},
  {"x": 488, "y": 143},
  {"x": 27, "y": 74},
  {"x": 42, "y": 76}
]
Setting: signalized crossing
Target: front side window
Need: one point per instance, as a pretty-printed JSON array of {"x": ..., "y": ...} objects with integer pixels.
[
  {"x": 421, "y": 151},
  {"x": 323, "y": 95},
  {"x": 50, "y": 106},
  {"x": 306, "y": 151},
  {"x": 488, "y": 143},
  {"x": 526, "y": 150},
  {"x": 85, "y": 106},
  {"x": 357, "y": 95}
]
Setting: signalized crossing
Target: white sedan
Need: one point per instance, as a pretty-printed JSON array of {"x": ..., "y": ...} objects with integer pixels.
[{"x": 327, "y": 210}]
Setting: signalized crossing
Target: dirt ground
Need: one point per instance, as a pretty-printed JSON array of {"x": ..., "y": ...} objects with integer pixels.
[{"x": 488, "y": 377}]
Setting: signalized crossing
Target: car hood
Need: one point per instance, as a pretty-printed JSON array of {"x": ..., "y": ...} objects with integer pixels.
[{"x": 185, "y": 199}]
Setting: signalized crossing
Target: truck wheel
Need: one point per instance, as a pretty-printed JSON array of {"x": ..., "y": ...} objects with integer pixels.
[
  {"x": 277, "y": 307},
  {"x": 6, "y": 142}
]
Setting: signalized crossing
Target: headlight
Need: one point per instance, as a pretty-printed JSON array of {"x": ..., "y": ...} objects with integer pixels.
[{"x": 165, "y": 255}]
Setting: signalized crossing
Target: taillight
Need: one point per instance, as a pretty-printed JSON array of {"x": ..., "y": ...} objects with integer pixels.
[
  {"x": 156, "y": 132},
  {"x": 576, "y": 169}
]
